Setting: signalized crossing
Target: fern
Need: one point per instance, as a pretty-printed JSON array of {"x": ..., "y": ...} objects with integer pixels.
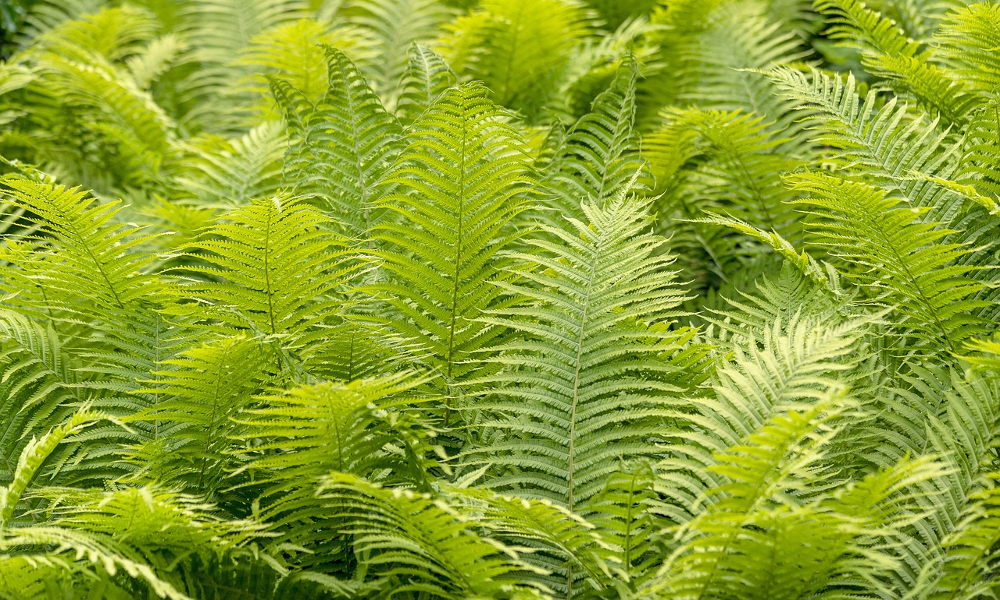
[
  {"x": 460, "y": 182},
  {"x": 598, "y": 159},
  {"x": 207, "y": 387},
  {"x": 426, "y": 78},
  {"x": 349, "y": 135},
  {"x": 419, "y": 543},
  {"x": 516, "y": 47},
  {"x": 270, "y": 270},
  {"x": 892, "y": 250},
  {"x": 584, "y": 357}
]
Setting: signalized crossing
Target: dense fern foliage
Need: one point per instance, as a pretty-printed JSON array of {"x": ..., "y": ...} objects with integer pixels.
[{"x": 476, "y": 299}]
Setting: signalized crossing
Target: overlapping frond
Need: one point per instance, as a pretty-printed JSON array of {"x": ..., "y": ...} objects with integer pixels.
[
  {"x": 417, "y": 545},
  {"x": 598, "y": 158},
  {"x": 894, "y": 253},
  {"x": 270, "y": 269},
  {"x": 198, "y": 396}
]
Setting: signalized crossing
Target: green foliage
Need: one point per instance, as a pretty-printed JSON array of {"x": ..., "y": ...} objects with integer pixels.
[{"x": 476, "y": 299}]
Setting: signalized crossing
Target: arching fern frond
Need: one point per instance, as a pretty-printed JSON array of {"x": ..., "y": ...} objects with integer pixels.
[
  {"x": 204, "y": 388},
  {"x": 598, "y": 158},
  {"x": 889, "y": 249},
  {"x": 270, "y": 269},
  {"x": 96, "y": 266},
  {"x": 418, "y": 545},
  {"x": 889, "y": 53},
  {"x": 880, "y": 142},
  {"x": 425, "y": 79}
]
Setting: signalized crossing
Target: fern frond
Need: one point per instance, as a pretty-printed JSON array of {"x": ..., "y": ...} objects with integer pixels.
[
  {"x": 888, "y": 247},
  {"x": 96, "y": 266},
  {"x": 221, "y": 173},
  {"x": 342, "y": 146},
  {"x": 883, "y": 143},
  {"x": 205, "y": 387},
  {"x": 589, "y": 379},
  {"x": 39, "y": 385},
  {"x": 419, "y": 545},
  {"x": 217, "y": 31},
  {"x": 759, "y": 537},
  {"x": 455, "y": 191},
  {"x": 623, "y": 515},
  {"x": 394, "y": 26},
  {"x": 598, "y": 159},
  {"x": 294, "y": 53},
  {"x": 786, "y": 366},
  {"x": 567, "y": 552},
  {"x": 425, "y": 79},
  {"x": 356, "y": 428},
  {"x": 270, "y": 269},
  {"x": 33, "y": 456},
  {"x": 969, "y": 35},
  {"x": 889, "y": 53},
  {"x": 516, "y": 47}
]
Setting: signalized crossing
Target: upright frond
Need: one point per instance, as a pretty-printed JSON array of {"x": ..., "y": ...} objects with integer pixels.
[
  {"x": 341, "y": 146},
  {"x": 589, "y": 378},
  {"x": 455, "y": 190}
]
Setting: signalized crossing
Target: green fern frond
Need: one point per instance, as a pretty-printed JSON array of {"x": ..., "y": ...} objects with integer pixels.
[
  {"x": 294, "y": 53},
  {"x": 969, "y": 565},
  {"x": 340, "y": 147},
  {"x": 203, "y": 390},
  {"x": 969, "y": 35},
  {"x": 885, "y": 144},
  {"x": 354, "y": 427},
  {"x": 426, "y": 78},
  {"x": 759, "y": 538},
  {"x": 96, "y": 266},
  {"x": 38, "y": 383},
  {"x": 218, "y": 31},
  {"x": 623, "y": 515},
  {"x": 598, "y": 158},
  {"x": 454, "y": 192},
  {"x": 34, "y": 454},
  {"x": 890, "y": 54},
  {"x": 394, "y": 27},
  {"x": 516, "y": 47},
  {"x": 217, "y": 172},
  {"x": 271, "y": 269},
  {"x": 889, "y": 249},
  {"x": 566, "y": 551},
  {"x": 418, "y": 545},
  {"x": 594, "y": 346},
  {"x": 786, "y": 366}
]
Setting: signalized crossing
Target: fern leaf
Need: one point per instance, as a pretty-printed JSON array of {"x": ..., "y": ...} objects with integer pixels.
[
  {"x": 205, "y": 388},
  {"x": 92, "y": 252},
  {"x": 456, "y": 188},
  {"x": 341, "y": 147},
  {"x": 586, "y": 356},
  {"x": 271, "y": 269},
  {"x": 598, "y": 159},
  {"x": 890, "y": 248},
  {"x": 426, "y": 78},
  {"x": 420, "y": 545}
]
